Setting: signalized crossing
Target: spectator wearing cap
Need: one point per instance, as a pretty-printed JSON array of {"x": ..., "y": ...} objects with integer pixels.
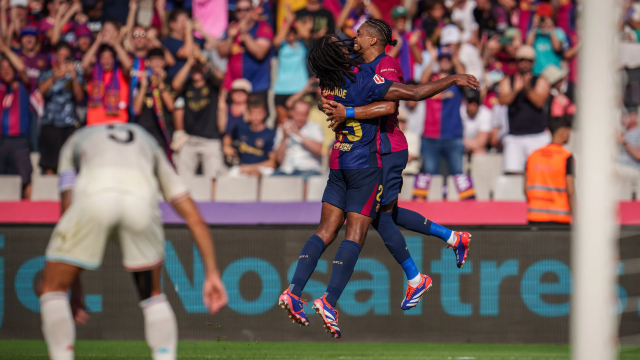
[
  {"x": 442, "y": 134},
  {"x": 84, "y": 39},
  {"x": 500, "y": 52},
  {"x": 292, "y": 74},
  {"x": 408, "y": 50},
  {"x": 527, "y": 97},
  {"x": 153, "y": 100},
  {"x": 236, "y": 110},
  {"x": 559, "y": 103},
  {"x": 180, "y": 42},
  {"x": 29, "y": 53},
  {"x": 476, "y": 123},
  {"x": 468, "y": 54},
  {"x": 354, "y": 14},
  {"x": 15, "y": 147},
  {"x": 248, "y": 45},
  {"x": 413, "y": 144},
  {"x": 298, "y": 144},
  {"x": 253, "y": 144},
  {"x": 548, "y": 40},
  {"x": 108, "y": 87},
  {"x": 61, "y": 88},
  {"x": 322, "y": 22},
  {"x": 197, "y": 122}
]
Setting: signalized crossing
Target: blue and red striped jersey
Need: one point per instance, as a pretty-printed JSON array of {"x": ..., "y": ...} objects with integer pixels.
[
  {"x": 15, "y": 110},
  {"x": 357, "y": 145}
]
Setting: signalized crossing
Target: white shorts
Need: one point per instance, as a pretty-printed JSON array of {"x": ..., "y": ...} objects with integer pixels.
[
  {"x": 81, "y": 235},
  {"x": 518, "y": 147},
  {"x": 198, "y": 148}
]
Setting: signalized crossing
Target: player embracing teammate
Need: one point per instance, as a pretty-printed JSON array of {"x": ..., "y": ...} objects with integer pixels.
[{"x": 366, "y": 171}]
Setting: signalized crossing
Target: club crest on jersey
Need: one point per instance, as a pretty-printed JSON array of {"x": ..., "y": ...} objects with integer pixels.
[{"x": 378, "y": 79}]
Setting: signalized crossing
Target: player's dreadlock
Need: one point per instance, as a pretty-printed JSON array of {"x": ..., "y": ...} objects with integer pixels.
[
  {"x": 382, "y": 30},
  {"x": 331, "y": 60}
]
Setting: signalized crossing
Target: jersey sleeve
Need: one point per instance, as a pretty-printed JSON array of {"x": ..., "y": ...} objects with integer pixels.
[
  {"x": 376, "y": 87},
  {"x": 570, "y": 166},
  {"x": 264, "y": 31},
  {"x": 389, "y": 69},
  {"x": 172, "y": 187}
]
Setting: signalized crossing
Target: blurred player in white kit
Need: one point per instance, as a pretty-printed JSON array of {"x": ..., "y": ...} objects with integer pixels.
[{"x": 114, "y": 173}]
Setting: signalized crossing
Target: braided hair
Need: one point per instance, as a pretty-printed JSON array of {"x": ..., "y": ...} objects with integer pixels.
[
  {"x": 331, "y": 60},
  {"x": 382, "y": 31}
]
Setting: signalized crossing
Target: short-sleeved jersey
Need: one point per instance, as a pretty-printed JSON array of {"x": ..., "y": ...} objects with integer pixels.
[
  {"x": 356, "y": 145},
  {"x": 118, "y": 157},
  {"x": 391, "y": 138}
]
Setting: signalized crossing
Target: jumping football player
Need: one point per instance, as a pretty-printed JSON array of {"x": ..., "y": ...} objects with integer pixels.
[
  {"x": 372, "y": 38},
  {"x": 354, "y": 187},
  {"x": 114, "y": 173}
]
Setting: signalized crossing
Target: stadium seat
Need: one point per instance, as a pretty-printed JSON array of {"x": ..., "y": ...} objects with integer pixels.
[
  {"x": 234, "y": 189},
  {"x": 485, "y": 169},
  {"x": 452, "y": 191},
  {"x": 10, "y": 188},
  {"x": 509, "y": 188},
  {"x": 315, "y": 188},
  {"x": 282, "y": 189},
  {"x": 45, "y": 188},
  {"x": 199, "y": 188},
  {"x": 435, "y": 188},
  {"x": 406, "y": 194}
]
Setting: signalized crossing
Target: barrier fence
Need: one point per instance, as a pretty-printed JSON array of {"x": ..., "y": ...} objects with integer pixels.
[{"x": 514, "y": 288}]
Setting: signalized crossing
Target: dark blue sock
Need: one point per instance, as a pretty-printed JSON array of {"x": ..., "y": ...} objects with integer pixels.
[
  {"x": 343, "y": 265},
  {"x": 311, "y": 252},
  {"x": 413, "y": 221},
  {"x": 392, "y": 237}
]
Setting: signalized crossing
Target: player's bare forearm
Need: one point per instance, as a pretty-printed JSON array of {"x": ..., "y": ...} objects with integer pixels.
[
  {"x": 336, "y": 112},
  {"x": 200, "y": 232},
  {"x": 420, "y": 92}
]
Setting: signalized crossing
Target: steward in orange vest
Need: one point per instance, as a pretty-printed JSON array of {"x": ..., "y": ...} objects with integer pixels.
[{"x": 549, "y": 178}]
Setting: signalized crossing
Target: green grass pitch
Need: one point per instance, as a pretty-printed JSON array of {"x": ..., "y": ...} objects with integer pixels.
[{"x": 32, "y": 349}]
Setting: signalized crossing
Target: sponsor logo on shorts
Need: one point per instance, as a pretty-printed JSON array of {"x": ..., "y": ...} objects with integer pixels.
[{"x": 342, "y": 147}]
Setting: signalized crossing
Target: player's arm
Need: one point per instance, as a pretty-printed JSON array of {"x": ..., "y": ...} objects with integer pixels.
[
  {"x": 336, "y": 112},
  {"x": 420, "y": 92}
]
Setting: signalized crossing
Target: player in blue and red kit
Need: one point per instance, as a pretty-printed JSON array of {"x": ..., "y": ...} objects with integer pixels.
[{"x": 355, "y": 164}]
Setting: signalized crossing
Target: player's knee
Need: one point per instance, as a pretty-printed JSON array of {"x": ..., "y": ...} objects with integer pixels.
[{"x": 326, "y": 235}]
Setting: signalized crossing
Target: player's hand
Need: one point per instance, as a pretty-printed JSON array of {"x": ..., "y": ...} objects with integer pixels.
[
  {"x": 80, "y": 317},
  {"x": 467, "y": 80},
  {"x": 214, "y": 294},
  {"x": 336, "y": 112}
]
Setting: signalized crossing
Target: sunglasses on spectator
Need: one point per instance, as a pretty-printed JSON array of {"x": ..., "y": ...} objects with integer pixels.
[
  {"x": 247, "y": 9},
  {"x": 137, "y": 34}
]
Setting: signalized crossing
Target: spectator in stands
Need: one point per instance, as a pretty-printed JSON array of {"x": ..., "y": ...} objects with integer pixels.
[
  {"x": 413, "y": 142},
  {"x": 630, "y": 146},
  {"x": 476, "y": 123},
  {"x": 442, "y": 134},
  {"x": 500, "y": 52},
  {"x": 468, "y": 54},
  {"x": 15, "y": 127},
  {"x": 62, "y": 88},
  {"x": 462, "y": 15},
  {"x": 83, "y": 42},
  {"x": 549, "y": 178},
  {"x": 254, "y": 144},
  {"x": 248, "y": 45},
  {"x": 199, "y": 128},
  {"x": 548, "y": 40},
  {"x": 312, "y": 94},
  {"x": 322, "y": 22},
  {"x": 154, "y": 101},
  {"x": 236, "y": 110},
  {"x": 18, "y": 19},
  {"x": 180, "y": 42},
  {"x": 491, "y": 19},
  {"x": 298, "y": 144},
  {"x": 434, "y": 20},
  {"x": 34, "y": 60},
  {"x": 292, "y": 75},
  {"x": 408, "y": 50},
  {"x": 355, "y": 13},
  {"x": 527, "y": 97},
  {"x": 58, "y": 25}
]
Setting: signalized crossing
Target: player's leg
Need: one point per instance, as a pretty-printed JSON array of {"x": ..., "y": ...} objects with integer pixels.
[
  {"x": 160, "y": 325},
  {"x": 57, "y": 319}
]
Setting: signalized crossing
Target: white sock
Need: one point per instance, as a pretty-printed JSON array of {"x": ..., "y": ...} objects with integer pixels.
[
  {"x": 452, "y": 239},
  {"x": 57, "y": 325},
  {"x": 415, "y": 281},
  {"x": 160, "y": 327}
]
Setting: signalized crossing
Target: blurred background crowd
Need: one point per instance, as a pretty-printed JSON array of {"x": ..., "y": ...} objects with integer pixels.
[{"x": 224, "y": 87}]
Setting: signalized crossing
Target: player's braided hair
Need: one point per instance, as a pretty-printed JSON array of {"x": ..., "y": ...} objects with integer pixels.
[
  {"x": 331, "y": 60},
  {"x": 382, "y": 30}
]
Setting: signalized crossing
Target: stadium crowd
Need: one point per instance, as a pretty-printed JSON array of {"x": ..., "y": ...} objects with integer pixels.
[{"x": 224, "y": 86}]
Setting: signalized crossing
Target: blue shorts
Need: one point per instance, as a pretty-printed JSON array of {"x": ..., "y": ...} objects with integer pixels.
[
  {"x": 355, "y": 190},
  {"x": 393, "y": 165}
]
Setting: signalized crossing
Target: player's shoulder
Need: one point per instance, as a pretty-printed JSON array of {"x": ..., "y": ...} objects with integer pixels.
[{"x": 389, "y": 67}]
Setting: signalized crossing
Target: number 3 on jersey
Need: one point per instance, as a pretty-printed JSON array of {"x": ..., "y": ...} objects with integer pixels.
[{"x": 357, "y": 130}]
